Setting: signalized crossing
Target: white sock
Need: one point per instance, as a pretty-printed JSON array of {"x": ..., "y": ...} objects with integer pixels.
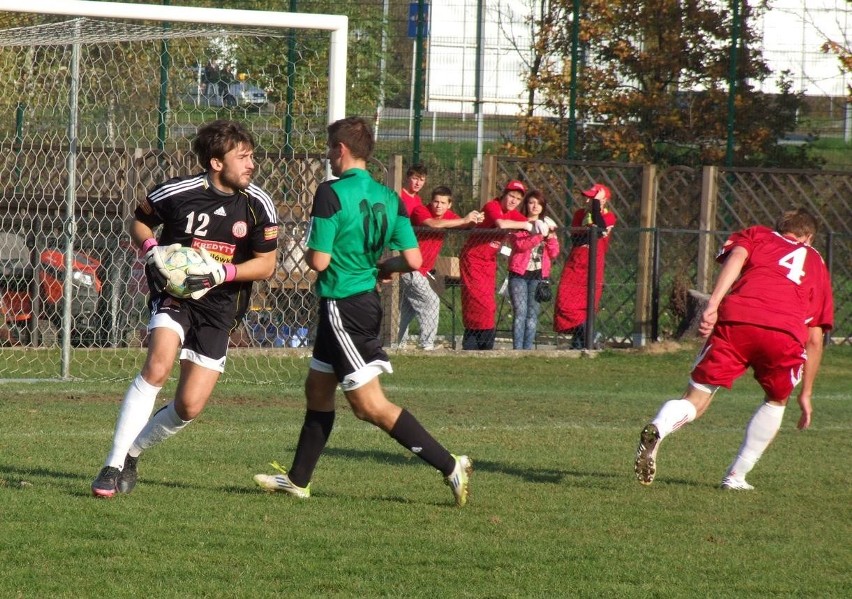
[
  {"x": 761, "y": 429},
  {"x": 673, "y": 415},
  {"x": 164, "y": 424},
  {"x": 132, "y": 416}
]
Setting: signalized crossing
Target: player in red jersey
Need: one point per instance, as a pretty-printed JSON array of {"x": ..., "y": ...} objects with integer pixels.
[
  {"x": 478, "y": 265},
  {"x": 773, "y": 320},
  {"x": 417, "y": 298}
]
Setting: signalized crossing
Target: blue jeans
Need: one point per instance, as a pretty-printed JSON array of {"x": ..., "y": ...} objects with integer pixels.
[{"x": 522, "y": 294}]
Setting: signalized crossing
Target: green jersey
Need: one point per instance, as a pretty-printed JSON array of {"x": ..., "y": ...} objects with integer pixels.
[{"x": 354, "y": 219}]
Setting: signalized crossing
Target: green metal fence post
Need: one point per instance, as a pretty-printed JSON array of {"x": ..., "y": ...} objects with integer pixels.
[
  {"x": 572, "y": 97},
  {"x": 732, "y": 80},
  {"x": 164, "y": 86},
  {"x": 419, "y": 73},
  {"x": 291, "y": 91}
]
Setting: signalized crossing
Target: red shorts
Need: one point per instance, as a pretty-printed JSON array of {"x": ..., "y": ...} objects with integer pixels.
[{"x": 777, "y": 358}]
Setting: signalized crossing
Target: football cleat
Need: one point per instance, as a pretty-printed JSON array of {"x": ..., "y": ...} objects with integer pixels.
[
  {"x": 105, "y": 484},
  {"x": 281, "y": 482},
  {"x": 734, "y": 484},
  {"x": 128, "y": 474},
  {"x": 459, "y": 479},
  {"x": 646, "y": 454}
]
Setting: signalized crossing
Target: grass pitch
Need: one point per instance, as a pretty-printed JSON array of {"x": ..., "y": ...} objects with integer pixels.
[{"x": 555, "y": 508}]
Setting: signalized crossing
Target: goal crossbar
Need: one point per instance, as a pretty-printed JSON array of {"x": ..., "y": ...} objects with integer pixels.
[{"x": 337, "y": 25}]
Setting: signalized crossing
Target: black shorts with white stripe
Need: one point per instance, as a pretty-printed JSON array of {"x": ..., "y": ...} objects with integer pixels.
[{"x": 348, "y": 339}]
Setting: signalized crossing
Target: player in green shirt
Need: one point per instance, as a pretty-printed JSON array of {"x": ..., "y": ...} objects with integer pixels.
[{"x": 353, "y": 221}]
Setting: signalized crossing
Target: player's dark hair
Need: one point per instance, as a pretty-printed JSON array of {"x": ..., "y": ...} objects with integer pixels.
[
  {"x": 417, "y": 169},
  {"x": 217, "y": 138},
  {"x": 355, "y": 134},
  {"x": 798, "y": 222},
  {"x": 538, "y": 195},
  {"x": 442, "y": 190}
]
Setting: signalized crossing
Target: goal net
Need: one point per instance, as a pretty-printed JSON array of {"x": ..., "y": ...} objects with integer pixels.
[{"x": 100, "y": 104}]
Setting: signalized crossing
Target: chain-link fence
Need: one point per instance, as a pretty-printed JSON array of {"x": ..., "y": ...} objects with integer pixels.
[
  {"x": 97, "y": 112},
  {"x": 270, "y": 323},
  {"x": 673, "y": 254},
  {"x": 63, "y": 205}
]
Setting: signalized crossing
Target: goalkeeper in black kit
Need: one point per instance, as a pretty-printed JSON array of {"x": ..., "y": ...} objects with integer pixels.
[{"x": 233, "y": 225}]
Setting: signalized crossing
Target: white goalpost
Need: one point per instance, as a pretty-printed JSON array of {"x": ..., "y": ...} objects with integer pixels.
[
  {"x": 338, "y": 25},
  {"x": 99, "y": 101}
]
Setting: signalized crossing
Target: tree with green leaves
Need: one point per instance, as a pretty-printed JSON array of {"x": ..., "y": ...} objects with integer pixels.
[{"x": 652, "y": 85}]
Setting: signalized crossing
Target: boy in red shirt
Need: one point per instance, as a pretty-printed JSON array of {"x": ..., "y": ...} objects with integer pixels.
[
  {"x": 415, "y": 179},
  {"x": 779, "y": 307},
  {"x": 417, "y": 298}
]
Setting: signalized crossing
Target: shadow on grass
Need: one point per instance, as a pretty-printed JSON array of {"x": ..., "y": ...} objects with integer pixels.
[
  {"x": 530, "y": 475},
  {"x": 21, "y": 478},
  {"x": 16, "y": 478},
  {"x": 533, "y": 475},
  {"x": 12, "y": 471}
]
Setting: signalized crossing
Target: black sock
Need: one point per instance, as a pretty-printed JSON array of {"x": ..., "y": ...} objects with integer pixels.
[
  {"x": 315, "y": 433},
  {"x": 410, "y": 434}
]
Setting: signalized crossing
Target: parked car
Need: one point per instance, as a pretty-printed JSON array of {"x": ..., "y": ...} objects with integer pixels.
[{"x": 239, "y": 94}]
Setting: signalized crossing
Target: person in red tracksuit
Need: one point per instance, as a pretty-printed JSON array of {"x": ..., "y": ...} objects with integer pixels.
[
  {"x": 569, "y": 314},
  {"x": 478, "y": 265}
]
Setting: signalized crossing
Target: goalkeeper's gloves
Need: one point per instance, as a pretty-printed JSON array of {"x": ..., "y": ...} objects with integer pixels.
[
  {"x": 155, "y": 258},
  {"x": 204, "y": 278}
]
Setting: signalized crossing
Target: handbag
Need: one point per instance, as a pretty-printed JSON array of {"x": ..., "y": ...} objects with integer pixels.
[{"x": 543, "y": 292}]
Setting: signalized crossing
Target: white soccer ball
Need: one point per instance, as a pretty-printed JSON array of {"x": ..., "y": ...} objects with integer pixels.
[{"x": 177, "y": 264}]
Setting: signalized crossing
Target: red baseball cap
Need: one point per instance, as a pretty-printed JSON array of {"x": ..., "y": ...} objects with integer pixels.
[
  {"x": 514, "y": 185},
  {"x": 594, "y": 189}
]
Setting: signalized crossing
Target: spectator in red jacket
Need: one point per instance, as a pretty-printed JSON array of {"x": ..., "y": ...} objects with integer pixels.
[{"x": 415, "y": 179}]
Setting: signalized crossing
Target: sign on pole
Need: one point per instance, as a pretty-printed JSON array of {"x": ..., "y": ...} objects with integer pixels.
[{"x": 413, "y": 9}]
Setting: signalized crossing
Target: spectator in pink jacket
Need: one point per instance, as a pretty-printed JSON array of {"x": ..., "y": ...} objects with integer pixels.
[{"x": 529, "y": 267}]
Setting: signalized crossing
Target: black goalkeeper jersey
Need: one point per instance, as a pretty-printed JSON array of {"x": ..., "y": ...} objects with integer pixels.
[{"x": 231, "y": 228}]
